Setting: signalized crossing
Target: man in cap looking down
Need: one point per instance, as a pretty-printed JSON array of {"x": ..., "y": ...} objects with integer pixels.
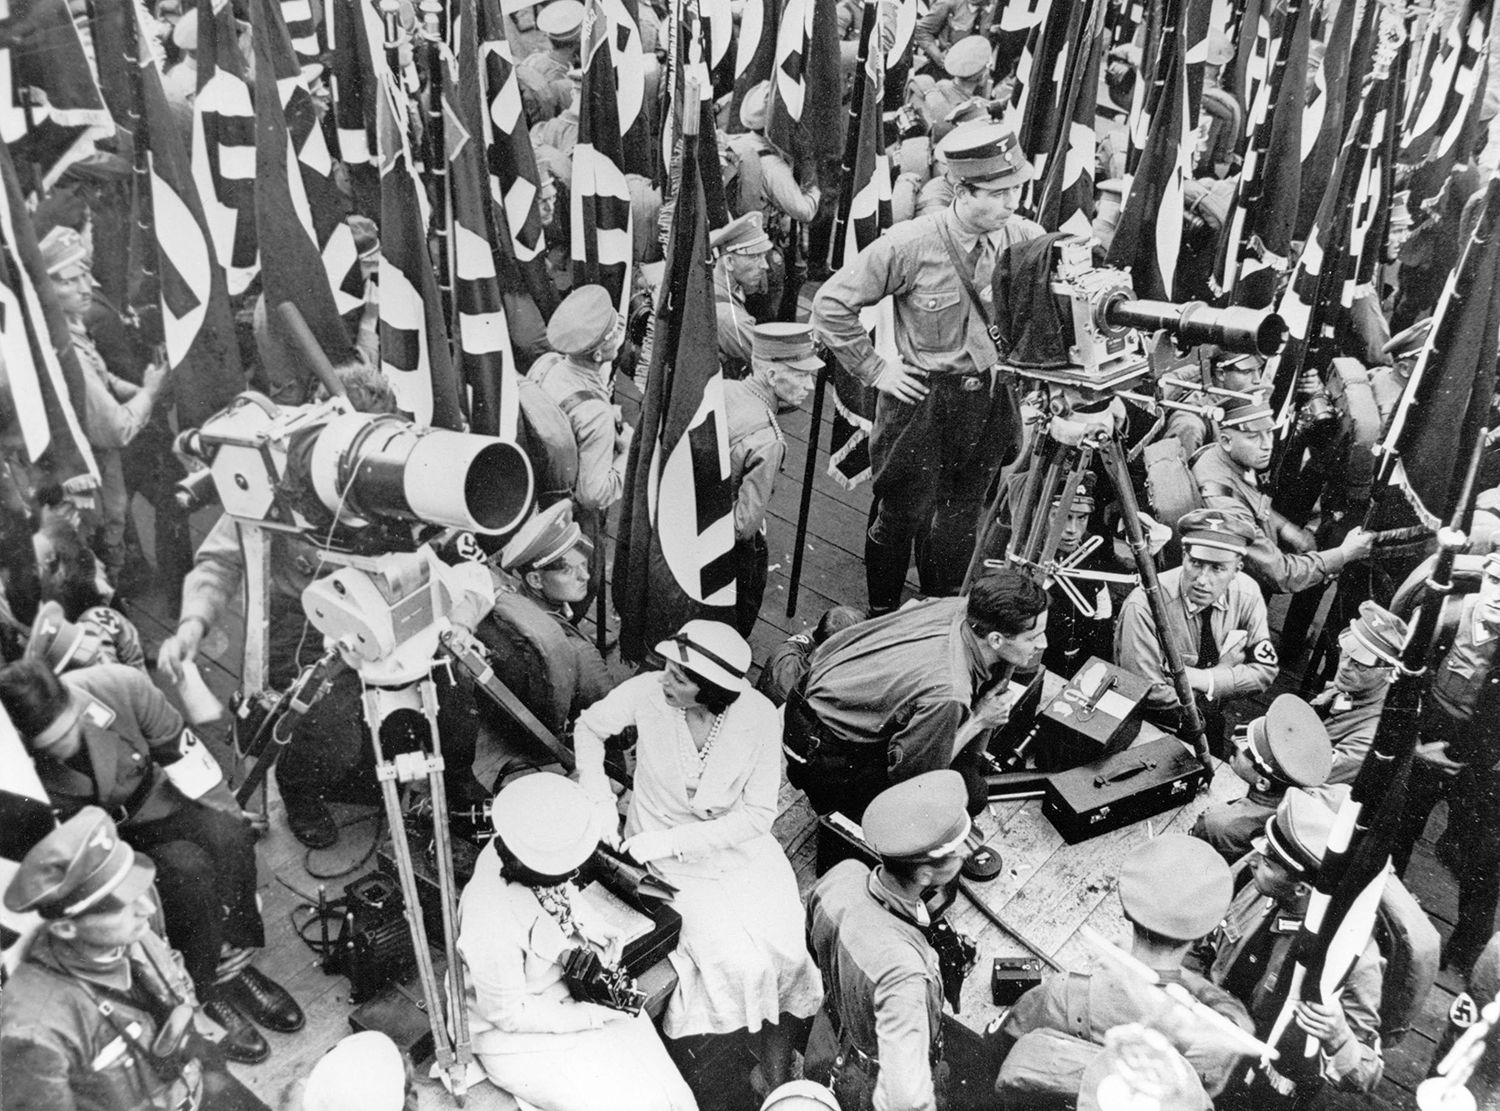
[
  {"x": 1369, "y": 652},
  {"x": 944, "y": 421},
  {"x": 742, "y": 268}
]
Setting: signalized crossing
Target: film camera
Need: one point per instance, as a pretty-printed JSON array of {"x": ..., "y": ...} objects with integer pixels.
[
  {"x": 590, "y": 980},
  {"x": 1100, "y": 321}
]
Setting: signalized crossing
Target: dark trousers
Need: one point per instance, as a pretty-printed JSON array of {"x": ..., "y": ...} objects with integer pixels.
[
  {"x": 751, "y": 565},
  {"x": 205, "y": 875},
  {"x": 933, "y": 462},
  {"x": 330, "y": 754}
]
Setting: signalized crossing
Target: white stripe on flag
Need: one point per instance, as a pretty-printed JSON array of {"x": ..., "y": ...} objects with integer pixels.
[
  {"x": 686, "y": 550},
  {"x": 189, "y": 255},
  {"x": 484, "y": 333}
]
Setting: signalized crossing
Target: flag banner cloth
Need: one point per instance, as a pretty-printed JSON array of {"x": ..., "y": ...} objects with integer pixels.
[
  {"x": 223, "y": 151},
  {"x": 676, "y": 543},
  {"x": 414, "y": 349},
  {"x": 602, "y": 232}
]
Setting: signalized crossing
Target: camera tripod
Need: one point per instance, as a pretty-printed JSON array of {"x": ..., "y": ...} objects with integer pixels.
[{"x": 1060, "y": 452}]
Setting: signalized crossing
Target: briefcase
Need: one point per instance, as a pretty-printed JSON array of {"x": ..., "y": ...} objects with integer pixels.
[
  {"x": 1122, "y": 788},
  {"x": 1097, "y": 714}
]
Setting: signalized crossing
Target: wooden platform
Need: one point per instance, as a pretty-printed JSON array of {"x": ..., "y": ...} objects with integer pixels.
[{"x": 1049, "y": 890}]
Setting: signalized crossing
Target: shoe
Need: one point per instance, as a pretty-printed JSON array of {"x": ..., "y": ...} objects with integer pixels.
[
  {"x": 242, "y": 1042},
  {"x": 311, "y": 822},
  {"x": 264, "y": 1000}
]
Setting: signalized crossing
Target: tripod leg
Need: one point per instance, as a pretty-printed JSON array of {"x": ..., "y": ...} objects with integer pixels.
[
  {"x": 458, "y": 1014},
  {"x": 387, "y": 773},
  {"x": 1130, "y": 511},
  {"x": 1032, "y": 468}
]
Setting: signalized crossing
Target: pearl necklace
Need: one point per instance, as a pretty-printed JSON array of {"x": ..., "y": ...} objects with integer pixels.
[{"x": 708, "y": 744}]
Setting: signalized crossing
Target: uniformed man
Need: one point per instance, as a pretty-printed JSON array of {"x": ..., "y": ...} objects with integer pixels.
[
  {"x": 545, "y": 73},
  {"x": 1388, "y": 383},
  {"x": 1456, "y": 759},
  {"x": 1249, "y": 956},
  {"x": 968, "y": 66},
  {"x": 767, "y": 183},
  {"x": 1173, "y": 890},
  {"x": 789, "y": 661},
  {"x": 1286, "y": 747},
  {"x": 99, "y": 1013},
  {"x": 1369, "y": 652},
  {"x": 944, "y": 421},
  {"x": 1227, "y": 370},
  {"x": 910, "y": 692},
  {"x": 100, "y": 635},
  {"x": 552, "y": 557},
  {"x": 105, "y": 737},
  {"x": 1073, "y": 637},
  {"x": 1281, "y": 557},
  {"x": 1216, "y": 617},
  {"x": 946, "y": 24},
  {"x": 742, "y": 252},
  {"x": 783, "y": 366},
  {"x": 879, "y": 1038}
]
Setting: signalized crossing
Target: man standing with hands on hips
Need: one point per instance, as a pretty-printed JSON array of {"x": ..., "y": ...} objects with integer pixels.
[{"x": 944, "y": 422}]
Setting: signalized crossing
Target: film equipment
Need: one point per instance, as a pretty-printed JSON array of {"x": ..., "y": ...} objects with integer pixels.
[
  {"x": 1013, "y": 977},
  {"x": 1109, "y": 363},
  {"x": 590, "y": 980},
  {"x": 373, "y": 947}
]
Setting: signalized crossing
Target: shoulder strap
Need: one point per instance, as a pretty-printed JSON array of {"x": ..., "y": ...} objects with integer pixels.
[
  {"x": 961, "y": 266},
  {"x": 575, "y": 399}
]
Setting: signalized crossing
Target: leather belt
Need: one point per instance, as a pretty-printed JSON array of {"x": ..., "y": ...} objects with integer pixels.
[{"x": 137, "y": 799}]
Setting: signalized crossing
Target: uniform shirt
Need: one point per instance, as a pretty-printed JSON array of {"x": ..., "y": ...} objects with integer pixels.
[
  {"x": 767, "y": 182},
  {"x": 1088, "y": 1006},
  {"x": 736, "y": 325},
  {"x": 945, "y": 23},
  {"x": 219, "y": 566},
  {"x": 944, "y": 97},
  {"x": 1356, "y": 1065},
  {"x": 594, "y": 680},
  {"x": 1230, "y": 827},
  {"x": 1458, "y": 680},
  {"x": 1225, "y": 485},
  {"x": 756, "y": 451},
  {"x": 905, "y": 680},
  {"x": 936, "y": 329},
  {"x": 59, "y": 1053},
  {"x": 1351, "y": 727},
  {"x": 1246, "y": 669},
  {"x": 601, "y": 478},
  {"x": 114, "y": 410},
  {"x": 881, "y": 980}
]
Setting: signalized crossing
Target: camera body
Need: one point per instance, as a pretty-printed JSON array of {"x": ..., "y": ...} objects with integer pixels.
[{"x": 589, "y": 980}]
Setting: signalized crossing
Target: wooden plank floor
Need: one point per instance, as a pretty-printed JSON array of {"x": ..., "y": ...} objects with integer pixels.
[{"x": 1049, "y": 888}]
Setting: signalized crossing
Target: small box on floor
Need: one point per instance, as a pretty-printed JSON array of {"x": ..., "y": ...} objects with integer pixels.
[{"x": 1013, "y": 977}]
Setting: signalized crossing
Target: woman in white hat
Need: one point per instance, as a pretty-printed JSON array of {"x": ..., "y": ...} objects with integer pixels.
[
  {"x": 519, "y": 918},
  {"x": 708, "y": 770}
]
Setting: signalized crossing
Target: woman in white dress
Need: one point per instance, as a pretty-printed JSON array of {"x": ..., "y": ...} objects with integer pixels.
[
  {"x": 708, "y": 771},
  {"x": 519, "y": 917}
]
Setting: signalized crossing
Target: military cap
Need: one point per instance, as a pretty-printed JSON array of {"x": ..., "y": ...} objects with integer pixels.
[
  {"x": 364, "y": 1072},
  {"x": 1379, "y": 632},
  {"x": 925, "y": 816},
  {"x": 58, "y": 642},
  {"x": 185, "y": 31},
  {"x": 583, "y": 321},
  {"x": 1289, "y": 744},
  {"x": 800, "y": 1095},
  {"x": 1299, "y": 830},
  {"x": 974, "y": 110},
  {"x": 1222, "y": 360},
  {"x": 561, "y": 20},
  {"x": 81, "y": 865},
  {"x": 711, "y": 650},
  {"x": 548, "y": 822},
  {"x": 968, "y": 57},
  {"x": 754, "y": 107},
  {"x": 985, "y": 152},
  {"x": 1409, "y": 340},
  {"x": 549, "y": 535},
  {"x": 1215, "y": 534},
  {"x": 1248, "y": 414},
  {"x": 1083, "y": 494},
  {"x": 788, "y": 344},
  {"x": 744, "y": 235},
  {"x": 61, "y": 248},
  {"x": 1176, "y": 886}
]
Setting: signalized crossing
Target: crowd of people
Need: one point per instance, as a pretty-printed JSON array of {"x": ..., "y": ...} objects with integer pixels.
[{"x": 891, "y": 711}]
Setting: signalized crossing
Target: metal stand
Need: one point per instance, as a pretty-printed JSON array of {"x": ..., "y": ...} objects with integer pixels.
[
  {"x": 1053, "y": 475},
  {"x": 452, "y": 1049}
]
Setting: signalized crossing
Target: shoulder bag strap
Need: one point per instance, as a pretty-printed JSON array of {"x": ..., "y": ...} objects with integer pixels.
[{"x": 961, "y": 266}]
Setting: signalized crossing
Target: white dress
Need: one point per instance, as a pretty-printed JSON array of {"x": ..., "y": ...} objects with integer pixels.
[
  {"x": 534, "y": 1040},
  {"x": 742, "y": 959}
]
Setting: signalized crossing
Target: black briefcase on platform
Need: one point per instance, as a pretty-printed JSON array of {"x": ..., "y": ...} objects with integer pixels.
[
  {"x": 1097, "y": 714},
  {"x": 1121, "y": 789}
]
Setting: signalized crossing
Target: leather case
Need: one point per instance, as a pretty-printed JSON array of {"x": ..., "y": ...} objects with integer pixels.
[
  {"x": 1098, "y": 713},
  {"x": 1121, "y": 789}
]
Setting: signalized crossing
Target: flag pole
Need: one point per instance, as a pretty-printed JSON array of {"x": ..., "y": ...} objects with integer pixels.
[
  {"x": 145, "y": 221},
  {"x": 434, "y": 29},
  {"x": 837, "y": 242}
]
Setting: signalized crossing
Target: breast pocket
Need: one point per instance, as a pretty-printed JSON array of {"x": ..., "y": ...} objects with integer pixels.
[{"x": 938, "y": 319}]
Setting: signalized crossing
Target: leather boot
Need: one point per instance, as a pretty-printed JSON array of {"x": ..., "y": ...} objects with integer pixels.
[
  {"x": 242, "y": 1042},
  {"x": 885, "y": 574},
  {"x": 310, "y": 820},
  {"x": 264, "y": 1000}
]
